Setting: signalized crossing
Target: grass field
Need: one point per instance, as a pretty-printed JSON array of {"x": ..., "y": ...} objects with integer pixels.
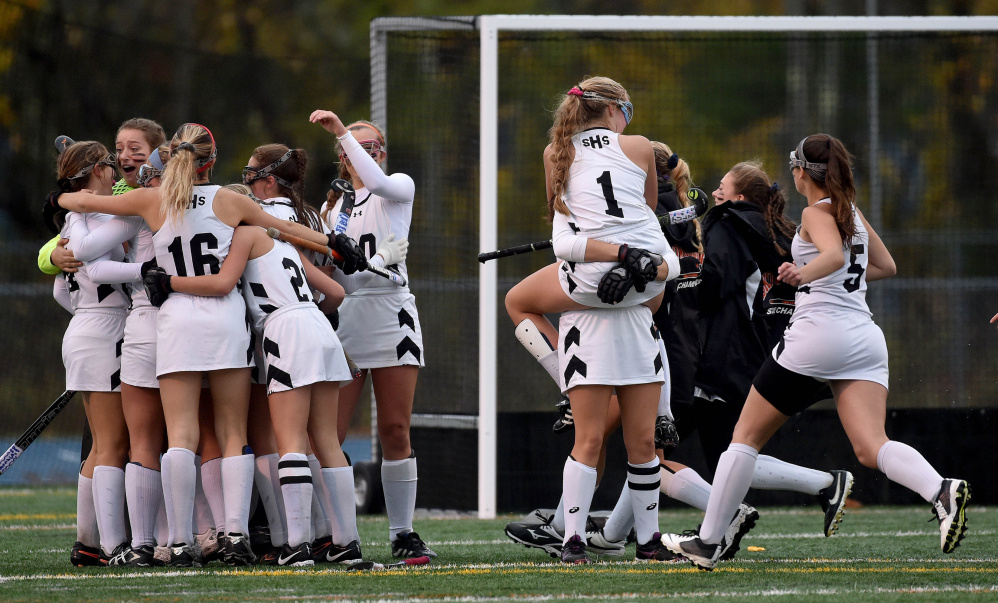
[{"x": 879, "y": 554}]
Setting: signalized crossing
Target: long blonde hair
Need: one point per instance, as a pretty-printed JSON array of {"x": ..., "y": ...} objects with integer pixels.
[
  {"x": 576, "y": 111},
  {"x": 192, "y": 153},
  {"x": 671, "y": 166}
]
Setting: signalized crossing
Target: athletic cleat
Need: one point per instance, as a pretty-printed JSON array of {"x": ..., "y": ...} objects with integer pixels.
[
  {"x": 143, "y": 556},
  {"x": 259, "y": 539},
  {"x": 85, "y": 556},
  {"x": 269, "y": 557},
  {"x": 162, "y": 555},
  {"x": 320, "y": 546},
  {"x": 950, "y": 508},
  {"x": 599, "y": 545},
  {"x": 654, "y": 550},
  {"x": 833, "y": 499},
  {"x": 566, "y": 421},
  {"x": 345, "y": 554},
  {"x": 537, "y": 536},
  {"x": 688, "y": 544},
  {"x": 299, "y": 556},
  {"x": 743, "y": 521},
  {"x": 237, "y": 550},
  {"x": 538, "y": 516},
  {"x": 208, "y": 545},
  {"x": 409, "y": 546},
  {"x": 574, "y": 551},
  {"x": 183, "y": 555},
  {"x": 117, "y": 554}
]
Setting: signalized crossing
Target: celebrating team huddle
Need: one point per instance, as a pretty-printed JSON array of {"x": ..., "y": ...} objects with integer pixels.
[{"x": 194, "y": 320}]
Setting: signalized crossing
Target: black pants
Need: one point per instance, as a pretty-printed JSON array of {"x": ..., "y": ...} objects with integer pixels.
[{"x": 715, "y": 422}]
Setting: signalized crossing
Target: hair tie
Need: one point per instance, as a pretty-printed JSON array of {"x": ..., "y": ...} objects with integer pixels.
[
  {"x": 775, "y": 188},
  {"x": 673, "y": 161},
  {"x": 65, "y": 185},
  {"x": 575, "y": 91},
  {"x": 184, "y": 146}
]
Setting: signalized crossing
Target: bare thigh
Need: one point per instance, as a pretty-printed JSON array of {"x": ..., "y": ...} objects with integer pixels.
[{"x": 862, "y": 408}]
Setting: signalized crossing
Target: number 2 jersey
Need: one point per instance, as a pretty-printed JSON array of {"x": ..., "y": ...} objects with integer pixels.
[{"x": 844, "y": 289}]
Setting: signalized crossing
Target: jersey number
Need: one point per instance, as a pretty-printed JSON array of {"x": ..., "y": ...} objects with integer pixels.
[
  {"x": 611, "y": 202},
  {"x": 368, "y": 243},
  {"x": 198, "y": 259},
  {"x": 852, "y": 284},
  {"x": 297, "y": 280}
]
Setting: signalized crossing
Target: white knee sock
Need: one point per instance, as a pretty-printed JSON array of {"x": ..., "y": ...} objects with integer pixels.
[
  {"x": 686, "y": 486},
  {"x": 558, "y": 521},
  {"x": 162, "y": 524},
  {"x": 270, "y": 491},
  {"x": 319, "y": 527},
  {"x": 109, "y": 500},
  {"x": 342, "y": 506},
  {"x": 398, "y": 478},
  {"x": 621, "y": 518},
  {"x": 296, "y": 487},
  {"x": 211, "y": 482},
  {"x": 773, "y": 474},
  {"x": 665, "y": 398},
  {"x": 731, "y": 482},
  {"x": 144, "y": 493},
  {"x": 87, "y": 531},
  {"x": 643, "y": 482},
  {"x": 178, "y": 489},
  {"x": 237, "y": 486},
  {"x": 579, "y": 484},
  {"x": 203, "y": 520},
  {"x": 903, "y": 464}
]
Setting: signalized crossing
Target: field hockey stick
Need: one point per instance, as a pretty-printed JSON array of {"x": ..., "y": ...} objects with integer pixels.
[
  {"x": 395, "y": 277},
  {"x": 63, "y": 142},
  {"x": 502, "y": 253},
  {"x": 346, "y": 208},
  {"x": 376, "y": 567},
  {"x": 35, "y": 430}
]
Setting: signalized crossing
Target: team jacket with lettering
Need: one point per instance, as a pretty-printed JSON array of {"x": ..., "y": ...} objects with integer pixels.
[{"x": 743, "y": 309}]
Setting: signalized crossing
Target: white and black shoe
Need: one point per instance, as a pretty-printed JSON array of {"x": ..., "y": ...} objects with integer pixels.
[
  {"x": 143, "y": 556},
  {"x": 537, "y": 536},
  {"x": 950, "y": 509},
  {"x": 408, "y": 545},
  {"x": 833, "y": 499},
  {"x": 688, "y": 544},
  {"x": 599, "y": 545},
  {"x": 237, "y": 550},
  {"x": 654, "y": 550},
  {"x": 183, "y": 555},
  {"x": 299, "y": 556},
  {"x": 208, "y": 545},
  {"x": 743, "y": 521},
  {"x": 344, "y": 554},
  {"x": 538, "y": 516}
]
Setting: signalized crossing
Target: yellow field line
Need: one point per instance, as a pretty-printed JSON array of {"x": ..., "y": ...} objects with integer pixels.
[{"x": 36, "y": 516}]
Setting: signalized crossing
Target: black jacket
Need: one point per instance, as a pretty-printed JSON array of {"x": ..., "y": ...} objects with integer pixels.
[
  {"x": 743, "y": 309},
  {"x": 678, "y": 318}
]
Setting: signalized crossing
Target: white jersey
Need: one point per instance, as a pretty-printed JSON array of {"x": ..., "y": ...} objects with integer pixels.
[
  {"x": 140, "y": 250},
  {"x": 844, "y": 289},
  {"x": 197, "y": 242},
  {"x": 84, "y": 294},
  {"x": 282, "y": 209},
  {"x": 274, "y": 280},
  {"x": 372, "y": 220},
  {"x": 605, "y": 191}
]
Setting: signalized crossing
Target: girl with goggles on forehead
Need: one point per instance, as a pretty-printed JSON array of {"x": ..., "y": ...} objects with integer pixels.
[
  {"x": 601, "y": 190},
  {"x": 831, "y": 340},
  {"x": 379, "y": 324}
]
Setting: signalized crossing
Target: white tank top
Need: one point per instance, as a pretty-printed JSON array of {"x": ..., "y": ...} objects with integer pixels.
[
  {"x": 272, "y": 281},
  {"x": 372, "y": 220},
  {"x": 605, "y": 190},
  {"x": 84, "y": 294},
  {"x": 844, "y": 289},
  {"x": 196, "y": 243}
]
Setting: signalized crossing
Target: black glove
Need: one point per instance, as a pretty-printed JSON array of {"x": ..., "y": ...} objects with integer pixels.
[
  {"x": 614, "y": 285},
  {"x": 353, "y": 258},
  {"x": 158, "y": 287},
  {"x": 53, "y": 215},
  {"x": 147, "y": 266},
  {"x": 699, "y": 200},
  {"x": 666, "y": 436},
  {"x": 640, "y": 264},
  {"x": 566, "y": 421}
]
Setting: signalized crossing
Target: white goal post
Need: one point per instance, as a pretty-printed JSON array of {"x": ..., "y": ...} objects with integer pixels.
[{"x": 490, "y": 28}]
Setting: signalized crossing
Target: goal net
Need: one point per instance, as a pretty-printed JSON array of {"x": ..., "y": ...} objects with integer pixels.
[{"x": 467, "y": 103}]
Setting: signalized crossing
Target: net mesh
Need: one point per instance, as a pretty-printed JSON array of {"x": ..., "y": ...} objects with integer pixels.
[{"x": 716, "y": 99}]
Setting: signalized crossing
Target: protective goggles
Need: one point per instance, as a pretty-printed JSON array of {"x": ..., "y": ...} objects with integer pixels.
[
  {"x": 626, "y": 107},
  {"x": 797, "y": 159},
  {"x": 108, "y": 161},
  {"x": 371, "y": 147},
  {"x": 147, "y": 173},
  {"x": 252, "y": 174}
]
